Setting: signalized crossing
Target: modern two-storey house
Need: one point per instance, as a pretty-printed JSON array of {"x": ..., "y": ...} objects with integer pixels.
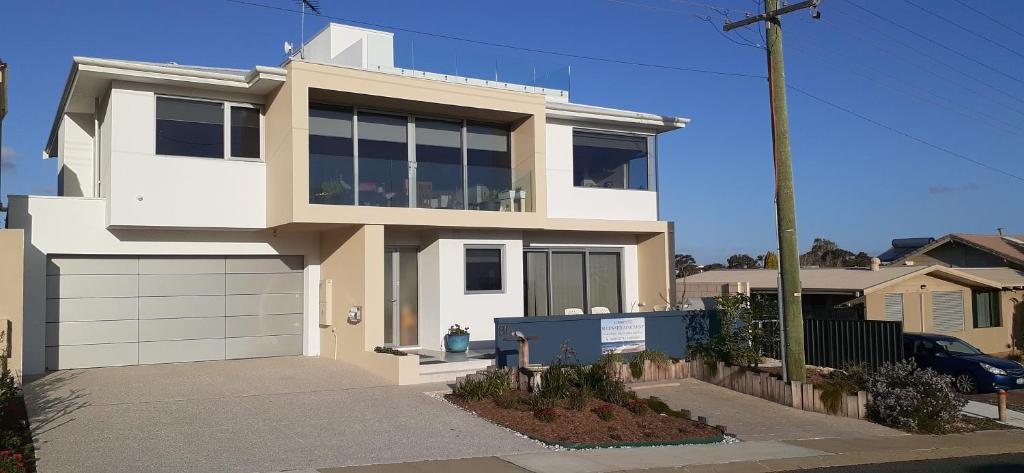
[{"x": 327, "y": 207}]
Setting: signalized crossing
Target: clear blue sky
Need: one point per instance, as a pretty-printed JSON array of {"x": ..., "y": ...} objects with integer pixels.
[{"x": 856, "y": 183}]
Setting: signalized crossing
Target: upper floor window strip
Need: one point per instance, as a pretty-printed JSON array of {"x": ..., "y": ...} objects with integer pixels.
[
  {"x": 612, "y": 160},
  {"x": 196, "y": 128}
]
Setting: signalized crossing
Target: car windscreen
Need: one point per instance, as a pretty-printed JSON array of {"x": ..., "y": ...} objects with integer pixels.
[{"x": 958, "y": 347}]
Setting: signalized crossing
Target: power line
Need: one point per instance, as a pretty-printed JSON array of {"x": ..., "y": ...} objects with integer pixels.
[
  {"x": 905, "y": 134},
  {"x": 993, "y": 20},
  {"x": 694, "y": 16},
  {"x": 943, "y": 46},
  {"x": 931, "y": 57},
  {"x": 518, "y": 48},
  {"x": 659, "y": 66},
  {"x": 958, "y": 25}
]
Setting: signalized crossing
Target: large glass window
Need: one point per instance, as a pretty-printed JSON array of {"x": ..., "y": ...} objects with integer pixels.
[
  {"x": 986, "y": 309},
  {"x": 484, "y": 269},
  {"x": 439, "y": 165},
  {"x": 489, "y": 166},
  {"x": 331, "y": 163},
  {"x": 189, "y": 128},
  {"x": 383, "y": 160},
  {"x": 557, "y": 281},
  {"x": 245, "y": 132},
  {"x": 610, "y": 161}
]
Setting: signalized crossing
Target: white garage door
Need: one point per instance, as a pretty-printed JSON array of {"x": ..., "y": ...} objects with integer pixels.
[{"x": 127, "y": 310}]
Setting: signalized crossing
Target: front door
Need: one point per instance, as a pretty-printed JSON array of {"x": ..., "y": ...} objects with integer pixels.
[{"x": 401, "y": 297}]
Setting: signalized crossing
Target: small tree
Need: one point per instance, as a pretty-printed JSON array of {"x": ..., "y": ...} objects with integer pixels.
[
  {"x": 742, "y": 261},
  {"x": 771, "y": 260},
  {"x": 740, "y": 337}
]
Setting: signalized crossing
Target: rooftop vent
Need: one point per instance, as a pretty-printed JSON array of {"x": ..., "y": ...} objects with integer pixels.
[{"x": 351, "y": 46}]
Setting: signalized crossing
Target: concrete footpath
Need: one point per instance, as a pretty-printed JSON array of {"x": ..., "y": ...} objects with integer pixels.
[{"x": 752, "y": 457}]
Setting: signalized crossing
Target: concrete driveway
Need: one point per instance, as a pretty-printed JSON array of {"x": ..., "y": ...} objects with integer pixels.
[
  {"x": 752, "y": 418},
  {"x": 246, "y": 416}
]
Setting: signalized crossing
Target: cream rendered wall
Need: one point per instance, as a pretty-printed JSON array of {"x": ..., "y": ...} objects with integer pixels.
[
  {"x": 75, "y": 155},
  {"x": 453, "y": 305},
  {"x": 568, "y": 201},
  {"x": 631, "y": 300},
  {"x": 68, "y": 225},
  {"x": 164, "y": 191}
]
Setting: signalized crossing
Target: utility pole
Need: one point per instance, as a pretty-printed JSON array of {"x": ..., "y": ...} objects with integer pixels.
[{"x": 785, "y": 205}]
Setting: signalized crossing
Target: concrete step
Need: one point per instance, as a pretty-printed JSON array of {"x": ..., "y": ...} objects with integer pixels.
[
  {"x": 446, "y": 376},
  {"x": 473, "y": 365}
]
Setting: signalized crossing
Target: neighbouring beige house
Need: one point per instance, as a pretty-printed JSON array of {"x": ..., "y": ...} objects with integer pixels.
[
  {"x": 326, "y": 207},
  {"x": 958, "y": 250},
  {"x": 984, "y": 306}
]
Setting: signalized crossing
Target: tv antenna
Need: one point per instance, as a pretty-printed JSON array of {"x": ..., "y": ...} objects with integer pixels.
[{"x": 313, "y": 5}]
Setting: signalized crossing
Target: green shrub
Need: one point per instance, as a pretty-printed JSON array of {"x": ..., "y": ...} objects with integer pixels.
[
  {"x": 537, "y": 402},
  {"x": 566, "y": 377},
  {"x": 605, "y": 412},
  {"x": 490, "y": 384},
  {"x": 636, "y": 365},
  {"x": 840, "y": 383},
  {"x": 507, "y": 400},
  {"x": 390, "y": 351},
  {"x": 659, "y": 407},
  {"x": 578, "y": 398},
  {"x": 740, "y": 336},
  {"x": 913, "y": 399},
  {"x": 11, "y": 462},
  {"x": 637, "y": 406}
]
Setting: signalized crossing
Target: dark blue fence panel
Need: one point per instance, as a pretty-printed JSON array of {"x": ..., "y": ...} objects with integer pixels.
[{"x": 668, "y": 332}]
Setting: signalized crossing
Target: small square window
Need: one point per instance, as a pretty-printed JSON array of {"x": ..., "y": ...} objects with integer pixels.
[
  {"x": 484, "y": 269},
  {"x": 245, "y": 133},
  {"x": 189, "y": 128}
]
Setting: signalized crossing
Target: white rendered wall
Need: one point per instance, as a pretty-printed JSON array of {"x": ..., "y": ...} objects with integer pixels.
[
  {"x": 75, "y": 154},
  {"x": 627, "y": 243},
  {"x": 75, "y": 226},
  {"x": 170, "y": 191},
  {"x": 453, "y": 305},
  {"x": 568, "y": 201}
]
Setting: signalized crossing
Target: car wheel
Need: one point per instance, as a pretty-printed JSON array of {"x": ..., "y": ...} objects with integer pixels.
[{"x": 965, "y": 383}]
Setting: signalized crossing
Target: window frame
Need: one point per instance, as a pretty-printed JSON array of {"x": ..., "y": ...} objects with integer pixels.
[
  {"x": 652, "y": 158},
  {"x": 586, "y": 250},
  {"x": 227, "y": 105},
  {"x": 411, "y": 153},
  {"x": 504, "y": 265},
  {"x": 996, "y": 307}
]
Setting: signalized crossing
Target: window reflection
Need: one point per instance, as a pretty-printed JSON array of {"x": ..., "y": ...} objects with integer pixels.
[
  {"x": 439, "y": 165},
  {"x": 489, "y": 166},
  {"x": 609, "y": 160},
  {"x": 331, "y": 166},
  {"x": 383, "y": 161}
]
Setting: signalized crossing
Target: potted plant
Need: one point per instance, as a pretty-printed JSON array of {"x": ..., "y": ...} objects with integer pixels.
[{"x": 457, "y": 340}]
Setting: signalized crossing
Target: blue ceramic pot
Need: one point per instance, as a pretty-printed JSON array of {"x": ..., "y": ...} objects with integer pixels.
[{"x": 456, "y": 343}]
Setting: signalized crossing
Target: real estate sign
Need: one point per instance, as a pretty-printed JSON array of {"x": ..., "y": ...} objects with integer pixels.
[{"x": 623, "y": 335}]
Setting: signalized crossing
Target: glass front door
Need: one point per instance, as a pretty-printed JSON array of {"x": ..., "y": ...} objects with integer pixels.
[
  {"x": 401, "y": 297},
  {"x": 562, "y": 281}
]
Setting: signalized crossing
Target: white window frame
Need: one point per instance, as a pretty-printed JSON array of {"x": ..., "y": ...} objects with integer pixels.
[
  {"x": 504, "y": 273},
  {"x": 226, "y": 104},
  {"x": 652, "y": 158}
]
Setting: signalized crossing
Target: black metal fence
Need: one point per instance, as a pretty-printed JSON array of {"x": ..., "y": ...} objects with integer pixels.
[{"x": 838, "y": 343}]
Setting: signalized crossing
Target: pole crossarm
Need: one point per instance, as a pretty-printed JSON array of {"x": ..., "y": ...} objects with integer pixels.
[{"x": 772, "y": 14}]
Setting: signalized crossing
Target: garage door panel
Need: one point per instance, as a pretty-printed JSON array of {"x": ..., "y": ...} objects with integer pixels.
[
  {"x": 69, "y": 265},
  {"x": 167, "y": 307},
  {"x": 91, "y": 356},
  {"x": 178, "y": 265},
  {"x": 121, "y": 310},
  {"x": 103, "y": 308},
  {"x": 257, "y": 264},
  {"x": 261, "y": 325},
  {"x": 86, "y": 333},
  {"x": 181, "y": 351},
  {"x": 256, "y": 347},
  {"x": 92, "y": 285},
  {"x": 181, "y": 285},
  {"x": 274, "y": 283},
  {"x": 263, "y": 304},
  {"x": 181, "y": 329}
]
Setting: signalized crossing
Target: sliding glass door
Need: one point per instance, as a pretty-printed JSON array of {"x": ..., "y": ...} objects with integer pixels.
[
  {"x": 401, "y": 297},
  {"x": 564, "y": 281}
]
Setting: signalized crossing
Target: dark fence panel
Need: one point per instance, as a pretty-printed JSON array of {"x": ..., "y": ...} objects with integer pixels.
[
  {"x": 838, "y": 343},
  {"x": 668, "y": 332}
]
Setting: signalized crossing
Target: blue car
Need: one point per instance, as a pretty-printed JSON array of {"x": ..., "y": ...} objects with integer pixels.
[{"x": 972, "y": 370}]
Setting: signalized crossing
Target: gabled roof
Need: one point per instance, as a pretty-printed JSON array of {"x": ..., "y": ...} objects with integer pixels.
[
  {"x": 1009, "y": 278},
  {"x": 1007, "y": 247},
  {"x": 840, "y": 279}
]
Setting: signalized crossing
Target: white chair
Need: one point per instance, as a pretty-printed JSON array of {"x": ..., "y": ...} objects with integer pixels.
[
  {"x": 661, "y": 308},
  {"x": 573, "y": 311},
  {"x": 599, "y": 310}
]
